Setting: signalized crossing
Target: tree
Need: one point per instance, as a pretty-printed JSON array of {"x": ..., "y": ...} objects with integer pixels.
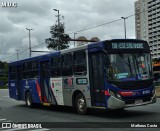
[
  {"x": 58, "y": 40},
  {"x": 95, "y": 39},
  {"x": 3, "y": 73},
  {"x": 83, "y": 38}
]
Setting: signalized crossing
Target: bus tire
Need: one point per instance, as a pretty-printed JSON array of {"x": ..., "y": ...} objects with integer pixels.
[
  {"x": 120, "y": 109},
  {"x": 28, "y": 99},
  {"x": 81, "y": 106}
]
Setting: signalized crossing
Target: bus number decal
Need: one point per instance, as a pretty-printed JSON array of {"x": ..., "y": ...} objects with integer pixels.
[
  {"x": 146, "y": 92},
  {"x": 81, "y": 81}
]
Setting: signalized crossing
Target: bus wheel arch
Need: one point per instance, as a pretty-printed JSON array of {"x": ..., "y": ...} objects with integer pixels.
[
  {"x": 79, "y": 102},
  {"x": 74, "y": 97},
  {"x": 28, "y": 99}
]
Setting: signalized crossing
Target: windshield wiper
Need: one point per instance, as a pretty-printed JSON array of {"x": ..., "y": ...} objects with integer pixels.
[{"x": 128, "y": 63}]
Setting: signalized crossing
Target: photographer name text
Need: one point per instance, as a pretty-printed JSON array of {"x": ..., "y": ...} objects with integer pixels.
[{"x": 144, "y": 125}]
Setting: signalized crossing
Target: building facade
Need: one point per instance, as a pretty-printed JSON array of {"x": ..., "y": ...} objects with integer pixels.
[{"x": 147, "y": 22}]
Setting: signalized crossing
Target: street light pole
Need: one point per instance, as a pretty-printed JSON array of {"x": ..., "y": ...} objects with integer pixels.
[
  {"x": 58, "y": 32},
  {"x": 124, "y": 18},
  {"x": 17, "y": 54},
  {"x": 74, "y": 38},
  {"x": 29, "y": 41}
]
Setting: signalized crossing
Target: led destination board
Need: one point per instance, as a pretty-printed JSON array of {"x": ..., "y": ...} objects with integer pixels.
[{"x": 127, "y": 45}]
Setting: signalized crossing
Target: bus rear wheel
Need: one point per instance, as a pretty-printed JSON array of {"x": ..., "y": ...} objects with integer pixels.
[
  {"x": 29, "y": 102},
  {"x": 81, "y": 106}
]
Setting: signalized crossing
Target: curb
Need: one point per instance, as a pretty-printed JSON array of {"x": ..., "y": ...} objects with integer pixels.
[{"x": 157, "y": 91}]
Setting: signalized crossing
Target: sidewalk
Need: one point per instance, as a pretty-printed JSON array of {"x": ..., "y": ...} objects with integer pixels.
[{"x": 158, "y": 91}]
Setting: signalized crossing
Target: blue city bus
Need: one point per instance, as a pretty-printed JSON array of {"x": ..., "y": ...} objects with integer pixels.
[{"x": 110, "y": 74}]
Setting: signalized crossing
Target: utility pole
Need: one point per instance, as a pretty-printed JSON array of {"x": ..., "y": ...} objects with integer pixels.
[
  {"x": 17, "y": 54},
  {"x": 124, "y": 18},
  {"x": 58, "y": 31},
  {"x": 74, "y": 38},
  {"x": 29, "y": 41}
]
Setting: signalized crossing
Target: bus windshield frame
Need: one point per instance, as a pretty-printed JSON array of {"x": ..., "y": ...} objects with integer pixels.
[{"x": 128, "y": 60}]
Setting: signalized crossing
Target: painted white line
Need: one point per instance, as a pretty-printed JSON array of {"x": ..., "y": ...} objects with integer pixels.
[
  {"x": 43, "y": 129},
  {"x": 3, "y": 119},
  {"x": 5, "y": 96},
  {"x": 8, "y": 121},
  {"x": 16, "y": 129}
]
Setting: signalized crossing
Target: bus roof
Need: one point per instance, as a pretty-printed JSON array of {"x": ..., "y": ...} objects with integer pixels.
[{"x": 93, "y": 47}]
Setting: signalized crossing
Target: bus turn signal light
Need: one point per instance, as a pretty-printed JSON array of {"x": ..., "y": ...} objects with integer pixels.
[{"x": 106, "y": 93}]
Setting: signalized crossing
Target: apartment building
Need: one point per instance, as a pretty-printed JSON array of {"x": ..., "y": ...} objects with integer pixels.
[{"x": 147, "y": 22}]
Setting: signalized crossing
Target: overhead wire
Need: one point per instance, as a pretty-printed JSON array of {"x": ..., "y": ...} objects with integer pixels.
[{"x": 78, "y": 32}]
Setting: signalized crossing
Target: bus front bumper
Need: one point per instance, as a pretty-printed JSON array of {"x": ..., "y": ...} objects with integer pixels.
[{"x": 114, "y": 103}]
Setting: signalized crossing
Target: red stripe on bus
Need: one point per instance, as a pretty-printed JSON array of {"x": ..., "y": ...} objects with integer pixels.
[
  {"x": 45, "y": 100},
  {"x": 38, "y": 90},
  {"x": 125, "y": 93}
]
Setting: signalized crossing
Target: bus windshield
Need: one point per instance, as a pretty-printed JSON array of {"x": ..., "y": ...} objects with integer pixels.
[{"x": 128, "y": 67}]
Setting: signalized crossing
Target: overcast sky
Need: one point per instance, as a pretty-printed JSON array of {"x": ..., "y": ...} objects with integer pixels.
[{"x": 78, "y": 14}]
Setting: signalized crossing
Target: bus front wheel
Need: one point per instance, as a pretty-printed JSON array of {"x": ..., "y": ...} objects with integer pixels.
[
  {"x": 29, "y": 102},
  {"x": 81, "y": 106}
]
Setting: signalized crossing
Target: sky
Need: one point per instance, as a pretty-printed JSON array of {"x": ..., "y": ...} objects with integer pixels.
[{"x": 77, "y": 15}]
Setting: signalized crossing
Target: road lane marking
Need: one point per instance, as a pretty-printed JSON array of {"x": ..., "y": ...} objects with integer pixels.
[
  {"x": 5, "y": 96},
  {"x": 15, "y": 129},
  {"x": 43, "y": 129},
  {"x": 3, "y": 119},
  {"x": 8, "y": 121}
]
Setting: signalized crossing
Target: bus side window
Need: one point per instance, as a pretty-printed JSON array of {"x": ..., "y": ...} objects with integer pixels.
[
  {"x": 26, "y": 75},
  {"x": 106, "y": 61},
  {"x": 108, "y": 67},
  {"x": 79, "y": 64},
  {"x": 55, "y": 67},
  {"x": 12, "y": 72},
  {"x": 34, "y": 70},
  {"x": 67, "y": 65},
  {"x": 26, "y": 70}
]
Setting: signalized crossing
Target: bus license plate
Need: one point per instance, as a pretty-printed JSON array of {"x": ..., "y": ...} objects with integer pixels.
[{"x": 138, "y": 101}]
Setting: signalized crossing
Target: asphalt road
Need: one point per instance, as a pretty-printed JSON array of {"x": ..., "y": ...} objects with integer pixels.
[{"x": 16, "y": 111}]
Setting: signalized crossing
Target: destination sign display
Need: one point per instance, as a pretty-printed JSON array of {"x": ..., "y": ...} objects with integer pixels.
[{"x": 125, "y": 45}]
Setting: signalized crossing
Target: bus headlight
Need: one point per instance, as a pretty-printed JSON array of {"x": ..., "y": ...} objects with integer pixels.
[
  {"x": 112, "y": 93},
  {"x": 115, "y": 94},
  {"x": 119, "y": 96}
]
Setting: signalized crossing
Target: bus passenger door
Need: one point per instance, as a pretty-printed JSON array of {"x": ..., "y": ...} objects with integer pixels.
[
  {"x": 46, "y": 91},
  {"x": 97, "y": 79}
]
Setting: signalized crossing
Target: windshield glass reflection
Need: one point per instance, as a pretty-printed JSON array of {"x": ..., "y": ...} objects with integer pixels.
[{"x": 129, "y": 67}]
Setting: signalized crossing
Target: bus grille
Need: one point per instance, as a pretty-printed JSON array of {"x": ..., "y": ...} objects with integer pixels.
[
  {"x": 145, "y": 99},
  {"x": 133, "y": 85}
]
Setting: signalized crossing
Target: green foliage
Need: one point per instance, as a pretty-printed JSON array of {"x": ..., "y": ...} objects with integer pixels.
[
  {"x": 3, "y": 73},
  {"x": 58, "y": 38}
]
